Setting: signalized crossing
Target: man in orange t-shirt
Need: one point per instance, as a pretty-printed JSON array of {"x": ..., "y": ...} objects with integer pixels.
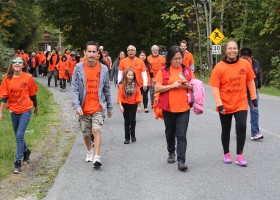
[
  {"x": 229, "y": 80},
  {"x": 91, "y": 98},
  {"x": 136, "y": 64},
  {"x": 188, "y": 57},
  {"x": 156, "y": 61}
]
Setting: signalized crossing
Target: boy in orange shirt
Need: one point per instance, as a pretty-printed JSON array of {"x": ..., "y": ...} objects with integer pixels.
[
  {"x": 19, "y": 89},
  {"x": 63, "y": 72},
  {"x": 129, "y": 98}
]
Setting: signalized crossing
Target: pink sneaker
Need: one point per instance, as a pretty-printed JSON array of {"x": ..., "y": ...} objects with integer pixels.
[
  {"x": 240, "y": 160},
  {"x": 227, "y": 158}
]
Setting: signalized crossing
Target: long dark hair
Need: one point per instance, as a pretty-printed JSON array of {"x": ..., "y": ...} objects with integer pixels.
[
  {"x": 147, "y": 63},
  {"x": 56, "y": 54},
  {"x": 171, "y": 53}
]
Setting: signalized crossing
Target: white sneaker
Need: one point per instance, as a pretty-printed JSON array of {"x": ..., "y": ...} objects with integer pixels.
[
  {"x": 96, "y": 161},
  {"x": 89, "y": 157},
  {"x": 257, "y": 137}
]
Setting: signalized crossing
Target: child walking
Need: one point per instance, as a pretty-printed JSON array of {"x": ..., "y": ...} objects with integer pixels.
[
  {"x": 19, "y": 89},
  {"x": 129, "y": 98},
  {"x": 63, "y": 66}
]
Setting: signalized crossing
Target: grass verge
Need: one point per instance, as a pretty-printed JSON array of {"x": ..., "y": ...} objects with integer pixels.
[{"x": 36, "y": 130}]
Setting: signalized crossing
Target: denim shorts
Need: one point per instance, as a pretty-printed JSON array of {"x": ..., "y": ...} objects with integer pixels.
[{"x": 88, "y": 122}]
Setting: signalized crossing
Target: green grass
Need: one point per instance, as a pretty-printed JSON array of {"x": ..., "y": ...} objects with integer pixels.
[
  {"x": 270, "y": 91},
  {"x": 36, "y": 130}
]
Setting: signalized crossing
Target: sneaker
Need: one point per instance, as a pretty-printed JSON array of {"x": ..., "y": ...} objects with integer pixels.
[
  {"x": 171, "y": 158},
  {"x": 182, "y": 166},
  {"x": 240, "y": 160},
  {"x": 26, "y": 156},
  {"x": 227, "y": 158},
  {"x": 133, "y": 139},
  {"x": 17, "y": 167},
  {"x": 257, "y": 137},
  {"x": 146, "y": 110},
  {"x": 126, "y": 142},
  {"x": 96, "y": 161},
  {"x": 89, "y": 156}
]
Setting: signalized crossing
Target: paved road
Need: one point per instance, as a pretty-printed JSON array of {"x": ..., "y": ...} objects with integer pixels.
[{"x": 140, "y": 171}]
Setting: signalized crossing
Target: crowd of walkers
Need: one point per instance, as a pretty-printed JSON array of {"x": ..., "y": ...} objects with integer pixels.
[{"x": 235, "y": 82}]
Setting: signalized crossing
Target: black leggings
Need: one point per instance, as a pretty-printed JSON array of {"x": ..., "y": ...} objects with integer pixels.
[
  {"x": 145, "y": 96},
  {"x": 240, "y": 126}
]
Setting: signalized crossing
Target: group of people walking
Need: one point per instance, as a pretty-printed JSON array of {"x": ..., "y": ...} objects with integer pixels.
[{"x": 233, "y": 80}]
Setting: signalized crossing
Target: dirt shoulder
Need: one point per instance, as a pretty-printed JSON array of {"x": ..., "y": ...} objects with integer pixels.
[{"x": 48, "y": 156}]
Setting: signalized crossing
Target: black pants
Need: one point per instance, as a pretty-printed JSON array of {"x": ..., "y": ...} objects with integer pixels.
[
  {"x": 50, "y": 75},
  {"x": 62, "y": 83},
  {"x": 129, "y": 116},
  {"x": 145, "y": 96},
  {"x": 33, "y": 71},
  {"x": 240, "y": 126},
  {"x": 176, "y": 126}
]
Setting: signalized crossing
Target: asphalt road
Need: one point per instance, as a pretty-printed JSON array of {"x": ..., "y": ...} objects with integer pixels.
[{"x": 140, "y": 171}]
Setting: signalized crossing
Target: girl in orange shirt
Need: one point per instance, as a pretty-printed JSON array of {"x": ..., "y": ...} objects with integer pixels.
[
  {"x": 63, "y": 67},
  {"x": 143, "y": 56},
  {"x": 19, "y": 89},
  {"x": 129, "y": 98},
  {"x": 174, "y": 103}
]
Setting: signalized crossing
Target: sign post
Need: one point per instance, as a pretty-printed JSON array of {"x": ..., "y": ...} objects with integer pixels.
[{"x": 216, "y": 37}]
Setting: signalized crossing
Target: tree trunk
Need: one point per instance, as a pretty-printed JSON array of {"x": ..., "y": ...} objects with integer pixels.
[{"x": 199, "y": 37}]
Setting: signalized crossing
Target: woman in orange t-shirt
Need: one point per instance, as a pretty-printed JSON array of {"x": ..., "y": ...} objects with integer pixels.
[
  {"x": 129, "y": 98},
  {"x": 143, "y": 56},
  {"x": 19, "y": 89},
  {"x": 53, "y": 60},
  {"x": 63, "y": 68},
  {"x": 174, "y": 102},
  {"x": 229, "y": 80}
]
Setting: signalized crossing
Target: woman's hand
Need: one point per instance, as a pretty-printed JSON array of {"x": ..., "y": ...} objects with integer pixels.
[
  {"x": 36, "y": 110},
  {"x": 121, "y": 108},
  {"x": 177, "y": 84},
  {"x": 138, "y": 108}
]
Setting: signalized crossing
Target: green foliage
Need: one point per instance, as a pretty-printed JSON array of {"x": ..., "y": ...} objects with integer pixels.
[
  {"x": 274, "y": 74},
  {"x": 36, "y": 130}
]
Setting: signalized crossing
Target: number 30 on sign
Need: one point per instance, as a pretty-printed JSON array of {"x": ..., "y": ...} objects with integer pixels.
[{"x": 216, "y": 49}]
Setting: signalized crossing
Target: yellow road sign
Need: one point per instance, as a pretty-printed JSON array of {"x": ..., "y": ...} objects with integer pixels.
[{"x": 216, "y": 36}]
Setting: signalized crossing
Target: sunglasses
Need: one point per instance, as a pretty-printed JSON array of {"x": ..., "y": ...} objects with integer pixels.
[{"x": 17, "y": 61}]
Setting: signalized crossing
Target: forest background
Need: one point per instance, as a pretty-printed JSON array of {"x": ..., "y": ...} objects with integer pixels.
[{"x": 117, "y": 23}]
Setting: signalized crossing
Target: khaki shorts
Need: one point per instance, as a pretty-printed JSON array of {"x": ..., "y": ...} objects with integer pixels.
[{"x": 88, "y": 122}]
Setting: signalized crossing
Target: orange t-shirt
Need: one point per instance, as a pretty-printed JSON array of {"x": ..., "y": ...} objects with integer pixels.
[
  {"x": 62, "y": 67},
  {"x": 188, "y": 59},
  {"x": 156, "y": 63},
  {"x": 231, "y": 79},
  {"x": 137, "y": 64},
  {"x": 92, "y": 74},
  {"x": 72, "y": 64},
  {"x": 18, "y": 91},
  {"x": 25, "y": 57},
  {"x": 33, "y": 62},
  {"x": 41, "y": 58},
  {"x": 133, "y": 99},
  {"x": 178, "y": 99},
  {"x": 54, "y": 60}
]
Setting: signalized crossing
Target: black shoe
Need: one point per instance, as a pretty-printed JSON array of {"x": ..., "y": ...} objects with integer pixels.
[
  {"x": 17, "y": 167},
  {"x": 26, "y": 156},
  {"x": 182, "y": 166},
  {"x": 171, "y": 158},
  {"x": 133, "y": 139},
  {"x": 126, "y": 142},
  {"x": 55, "y": 85}
]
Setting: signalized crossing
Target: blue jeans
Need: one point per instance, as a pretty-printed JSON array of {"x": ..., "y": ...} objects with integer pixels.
[
  {"x": 176, "y": 126},
  {"x": 254, "y": 113},
  {"x": 20, "y": 122}
]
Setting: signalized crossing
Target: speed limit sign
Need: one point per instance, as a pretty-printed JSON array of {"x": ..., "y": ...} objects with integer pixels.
[{"x": 216, "y": 49}]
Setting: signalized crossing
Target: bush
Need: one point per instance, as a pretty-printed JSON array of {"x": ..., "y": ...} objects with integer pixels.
[
  {"x": 5, "y": 55},
  {"x": 274, "y": 74}
]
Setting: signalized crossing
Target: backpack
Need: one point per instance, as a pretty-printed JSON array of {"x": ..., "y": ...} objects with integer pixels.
[{"x": 196, "y": 96}]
